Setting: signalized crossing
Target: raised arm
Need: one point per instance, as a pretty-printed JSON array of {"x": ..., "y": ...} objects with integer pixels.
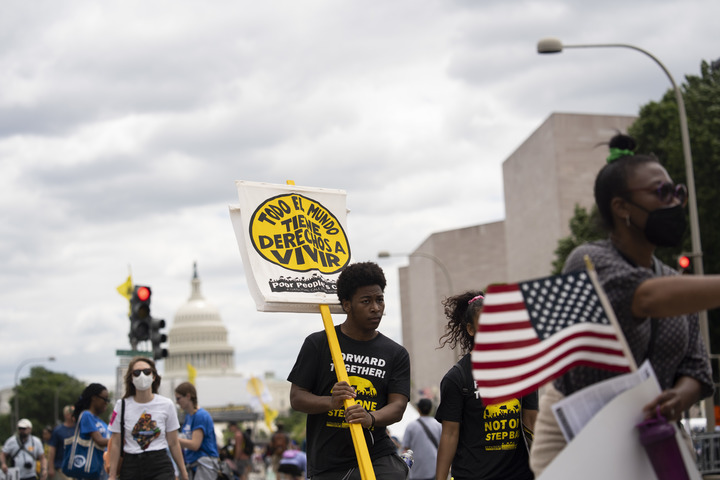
[{"x": 670, "y": 296}]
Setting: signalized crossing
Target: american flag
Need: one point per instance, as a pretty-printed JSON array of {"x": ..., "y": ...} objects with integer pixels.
[{"x": 532, "y": 332}]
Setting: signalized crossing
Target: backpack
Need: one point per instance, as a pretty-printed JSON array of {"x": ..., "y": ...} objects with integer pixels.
[{"x": 248, "y": 445}]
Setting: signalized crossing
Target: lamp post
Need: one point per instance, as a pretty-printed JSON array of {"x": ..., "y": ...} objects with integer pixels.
[
  {"x": 17, "y": 375},
  {"x": 554, "y": 45},
  {"x": 438, "y": 262}
]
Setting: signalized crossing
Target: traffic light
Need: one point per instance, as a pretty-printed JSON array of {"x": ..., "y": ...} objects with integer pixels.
[
  {"x": 140, "y": 315},
  {"x": 157, "y": 337},
  {"x": 683, "y": 263}
]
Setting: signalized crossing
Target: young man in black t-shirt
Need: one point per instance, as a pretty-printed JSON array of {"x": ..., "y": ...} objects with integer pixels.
[{"x": 379, "y": 373}]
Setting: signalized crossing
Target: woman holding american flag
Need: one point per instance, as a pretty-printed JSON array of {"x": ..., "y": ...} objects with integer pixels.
[{"x": 641, "y": 209}]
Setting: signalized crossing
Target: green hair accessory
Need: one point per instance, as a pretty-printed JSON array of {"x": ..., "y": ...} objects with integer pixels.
[{"x": 616, "y": 153}]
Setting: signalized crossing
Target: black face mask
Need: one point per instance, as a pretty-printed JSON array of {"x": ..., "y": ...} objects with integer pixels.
[{"x": 665, "y": 226}]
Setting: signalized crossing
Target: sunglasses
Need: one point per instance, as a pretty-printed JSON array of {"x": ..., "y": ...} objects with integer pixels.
[
  {"x": 146, "y": 371},
  {"x": 666, "y": 191},
  {"x": 105, "y": 399}
]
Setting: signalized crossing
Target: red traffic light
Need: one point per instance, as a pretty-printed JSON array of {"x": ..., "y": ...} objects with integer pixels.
[
  {"x": 684, "y": 261},
  {"x": 143, "y": 293}
]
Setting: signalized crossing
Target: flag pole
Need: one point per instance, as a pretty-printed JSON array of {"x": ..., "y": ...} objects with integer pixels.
[
  {"x": 609, "y": 311},
  {"x": 358, "y": 437}
]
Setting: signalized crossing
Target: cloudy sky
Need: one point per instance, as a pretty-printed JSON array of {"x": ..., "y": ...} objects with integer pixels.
[{"x": 124, "y": 125}]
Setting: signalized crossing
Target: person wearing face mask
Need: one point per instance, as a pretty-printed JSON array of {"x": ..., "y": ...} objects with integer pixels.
[
  {"x": 641, "y": 208},
  {"x": 139, "y": 450}
]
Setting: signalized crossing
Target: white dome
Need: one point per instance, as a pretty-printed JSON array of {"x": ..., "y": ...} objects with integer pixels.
[{"x": 198, "y": 337}]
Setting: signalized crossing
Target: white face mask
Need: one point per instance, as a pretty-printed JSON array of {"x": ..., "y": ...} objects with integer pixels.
[{"x": 143, "y": 382}]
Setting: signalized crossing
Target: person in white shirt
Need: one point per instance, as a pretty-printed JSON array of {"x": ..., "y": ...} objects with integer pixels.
[
  {"x": 24, "y": 449},
  {"x": 150, "y": 428},
  {"x": 423, "y": 437}
]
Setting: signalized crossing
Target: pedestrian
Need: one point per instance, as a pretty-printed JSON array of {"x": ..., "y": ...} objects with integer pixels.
[
  {"x": 423, "y": 437},
  {"x": 279, "y": 442},
  {"x": 641, "y": 209},
  {"x": 149, "y": 424},
  {"x": 92, "y": 403},
  {"x": 24, "y": 449},
  {"x": 293, "y": 464},
  {"x": 197, "y": 436},
  {"x": 379, "y": 384},
  {"x": 479, "y": 442},
  {"x": 56, "y": 449},
  {"x": 242, "y": 448}
]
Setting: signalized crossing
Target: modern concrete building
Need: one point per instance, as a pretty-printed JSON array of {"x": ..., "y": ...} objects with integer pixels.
[{"x": 551, "y": 172}]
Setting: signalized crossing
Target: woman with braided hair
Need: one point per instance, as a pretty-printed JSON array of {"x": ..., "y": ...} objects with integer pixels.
[{"x": 479, "y": 442}]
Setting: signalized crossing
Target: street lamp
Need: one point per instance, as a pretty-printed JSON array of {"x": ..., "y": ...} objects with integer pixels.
[
  {"x": 17, "y": 375},
  {"x": 554, "y": 45},
  {"x": 438, "y": 262}
]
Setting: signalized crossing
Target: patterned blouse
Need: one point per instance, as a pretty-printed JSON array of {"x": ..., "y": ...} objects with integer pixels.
[{"x": 677, "y": 350}]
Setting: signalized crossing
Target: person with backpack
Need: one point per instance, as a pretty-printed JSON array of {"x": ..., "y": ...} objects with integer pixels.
[
  {"x": 242, "y": 450},
  {"x": 479, "y": 442},
  {"x": 197, "y": 435},
  {"x": 24, "y": 449},
  {"x": 423, "y": 437}
]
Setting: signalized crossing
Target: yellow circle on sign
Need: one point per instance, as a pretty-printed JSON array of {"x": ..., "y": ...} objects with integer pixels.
[{"x": 300, "y": 234}]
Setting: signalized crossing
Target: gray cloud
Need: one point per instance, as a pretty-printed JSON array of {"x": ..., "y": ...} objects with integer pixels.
[{"x": 123, "y": 126}]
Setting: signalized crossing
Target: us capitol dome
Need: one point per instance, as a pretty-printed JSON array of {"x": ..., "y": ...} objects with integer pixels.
[{"x": 199, "y": 338}]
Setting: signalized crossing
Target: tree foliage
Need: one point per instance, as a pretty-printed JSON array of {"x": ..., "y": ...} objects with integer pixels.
[
  {"x": 584, "y": 227},
  {"x": 657, "y": 130},
  {"x": 37, "y": 396}
]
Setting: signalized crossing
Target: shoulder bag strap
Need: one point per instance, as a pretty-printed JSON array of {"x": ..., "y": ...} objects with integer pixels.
[
  {"x": 21, "y": 447},
  {"x": 122, "y": 428},
  {"x": 464, "y": 380},
  {"x": 427, "y": 431}
]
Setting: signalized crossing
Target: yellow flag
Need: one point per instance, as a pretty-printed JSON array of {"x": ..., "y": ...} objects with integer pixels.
[
  {"x": 255, "y": 386},
  {"x": 192, "y": 373},
  {"x": 270, "y": 415},
  {"x": 126, "y": 288}
]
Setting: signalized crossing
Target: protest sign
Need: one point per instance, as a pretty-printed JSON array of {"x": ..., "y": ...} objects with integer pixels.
[{"x": 293, "y": 243}]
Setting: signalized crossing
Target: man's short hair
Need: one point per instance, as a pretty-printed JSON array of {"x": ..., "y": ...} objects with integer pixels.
[
  {"x": 358, "y": 275},
  {"x": 424, "y": 406}
]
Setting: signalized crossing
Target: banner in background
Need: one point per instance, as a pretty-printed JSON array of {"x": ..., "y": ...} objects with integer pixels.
[{"x": 294, "y": 244}]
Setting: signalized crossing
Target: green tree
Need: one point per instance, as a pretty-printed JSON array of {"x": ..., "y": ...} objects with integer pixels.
[
  {"x": 657, "y": 130},
  {"x": 36, "y": 396},
  {"x": 584, "y": 227}
]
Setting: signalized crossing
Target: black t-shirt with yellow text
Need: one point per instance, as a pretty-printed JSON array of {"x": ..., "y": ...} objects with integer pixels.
[
  {"x": 491, "y": 444},
  {"x": 376, "y": 368}
]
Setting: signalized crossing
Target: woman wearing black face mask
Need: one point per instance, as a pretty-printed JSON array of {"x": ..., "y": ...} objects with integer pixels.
[{"x": 641, "y": 208}]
